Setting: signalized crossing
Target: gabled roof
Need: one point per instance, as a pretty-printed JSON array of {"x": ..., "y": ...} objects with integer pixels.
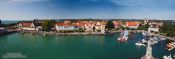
[
  {"x": 26, "y": 24},
  {"x": 59, "y": 24}
]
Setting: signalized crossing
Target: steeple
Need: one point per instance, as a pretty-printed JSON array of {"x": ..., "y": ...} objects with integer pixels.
[{"x": 145, "y": 21}]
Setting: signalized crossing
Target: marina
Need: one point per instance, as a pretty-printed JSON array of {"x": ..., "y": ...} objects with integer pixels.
[
  {"x": 87, "y": 29},
  {"x": 77, "y": 47}
]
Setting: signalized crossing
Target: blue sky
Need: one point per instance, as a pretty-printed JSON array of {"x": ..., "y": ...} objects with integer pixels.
[{"x": 101, "y": 9}]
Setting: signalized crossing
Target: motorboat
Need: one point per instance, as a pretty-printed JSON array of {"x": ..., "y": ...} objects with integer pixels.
[
  {"x": 171, "y": 46},
  {"x": 151, "y": 39},
  {"x": 156, "y": 38},
  {"x": 144, "y": 41},
  {"x": 155, "y": 41},
  {"x": 143, "y": 33},
  {"x": 167, "y": 57},
  {"x": 140, "y": 44},
  {"x": 163, "y": 39}
]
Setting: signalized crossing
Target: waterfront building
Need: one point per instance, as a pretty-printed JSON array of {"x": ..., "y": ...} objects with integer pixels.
[
  {"x": 103, "y": 25},
  {"x": 27, "y": 26},
  {"x": 154, "y": 28},
  {"x": 65, "y": 26},
  {"x": 89, "y": 26},
  {"x": 98, "y": 26},
  {"x": 80, "y": 24},
  {"x": 103, "y": 28},
  {"x": 117, "y": 24},
  {"x": 157, "y": 23},
  {"x": 132, "y": 24}
]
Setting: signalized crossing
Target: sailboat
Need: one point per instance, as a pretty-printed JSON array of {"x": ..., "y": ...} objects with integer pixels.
[{"x": 123, "y": 36}]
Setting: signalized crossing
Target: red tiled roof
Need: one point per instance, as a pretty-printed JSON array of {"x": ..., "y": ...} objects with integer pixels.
[
  {"x": 63, "y": 24},
  {"x": 81, "y": 24},
  {"x": 132, "y": 23},
  {"x": 26, "y": 24}
]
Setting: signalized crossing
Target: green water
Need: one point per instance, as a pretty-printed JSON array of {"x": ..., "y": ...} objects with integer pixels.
[{"x": 72, "y": 47}]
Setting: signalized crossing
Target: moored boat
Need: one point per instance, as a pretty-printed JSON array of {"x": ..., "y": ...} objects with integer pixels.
[
  {"x": 167, "y": 57},
  {"x": 144, "y": 41},
  {"x": 123, "y": 36},
  {"x": 140, "y": 44},
  {"x": 171, "y": 46}
]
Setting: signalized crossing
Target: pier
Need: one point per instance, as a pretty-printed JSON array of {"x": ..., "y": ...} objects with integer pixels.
[
  {"x": 148, "y": 54},
  {"x": 166, "y": 37}
]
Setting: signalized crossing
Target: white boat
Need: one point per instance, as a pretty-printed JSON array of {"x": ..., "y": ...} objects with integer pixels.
[
  {"x": 162, "y": 39},
  {"x": 143, "y": 33},
  {"x": 140, "y": 44},
  {"x": 144, "y": 41},
  {"x": 123, "y": 36},
  {"x": 151, "y": 39},
  {"x": 155, "y": 41},
  {"x": 156, "y": 38},
  {"x": 167, "y": 57}
]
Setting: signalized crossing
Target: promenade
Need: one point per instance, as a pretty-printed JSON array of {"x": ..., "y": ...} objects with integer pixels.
[{"x": 57, "y": 33}]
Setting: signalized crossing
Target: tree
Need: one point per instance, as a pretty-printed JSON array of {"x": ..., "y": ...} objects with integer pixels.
[
  {"x": 47, "y": 25},
  {"x": 168, "y": 29},
  {"x": 143, "y": 27},
  {"x": 109, "y": 25}
]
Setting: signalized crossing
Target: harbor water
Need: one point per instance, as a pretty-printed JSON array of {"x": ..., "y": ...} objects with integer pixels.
[{"x": 76, "y": 47}]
